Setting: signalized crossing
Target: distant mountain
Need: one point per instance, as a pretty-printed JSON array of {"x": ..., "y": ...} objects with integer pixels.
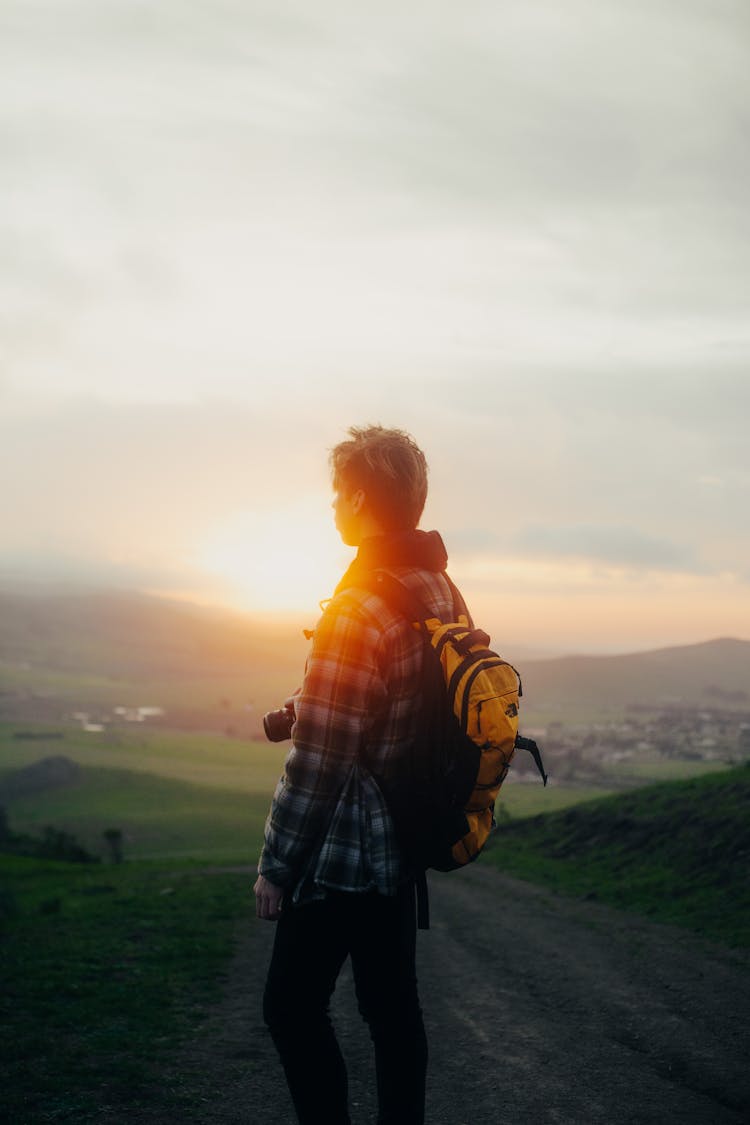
[
  {"x": 131, "y": 648},
  {"x": 102, "y": 649},
  {"x": 712, "y": 672},
  {"x": 133, "y": 634}
]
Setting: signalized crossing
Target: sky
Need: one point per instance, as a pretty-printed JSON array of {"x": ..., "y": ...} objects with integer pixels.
[{"x": 518, "y": 230}]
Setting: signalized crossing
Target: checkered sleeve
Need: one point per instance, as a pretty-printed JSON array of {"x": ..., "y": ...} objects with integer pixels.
[{"x": 342, "y": 696}]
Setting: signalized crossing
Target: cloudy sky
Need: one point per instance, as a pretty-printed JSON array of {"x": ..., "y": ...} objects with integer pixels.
[{"x": 229, "y": 230}]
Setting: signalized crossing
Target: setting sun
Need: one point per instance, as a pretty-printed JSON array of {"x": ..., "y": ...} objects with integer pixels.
[{"x": 284, "y": 559}]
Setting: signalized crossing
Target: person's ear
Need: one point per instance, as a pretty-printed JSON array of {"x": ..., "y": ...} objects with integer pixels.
[{"x": 357, "y": 501}]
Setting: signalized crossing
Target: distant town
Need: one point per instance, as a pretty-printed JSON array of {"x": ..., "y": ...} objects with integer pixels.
[
  {"x": 585, "y": 751},
  {"x": 96, "y": 724}
]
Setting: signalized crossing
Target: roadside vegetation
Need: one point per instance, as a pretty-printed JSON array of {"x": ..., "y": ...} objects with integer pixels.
[
  {"x": 103, "y": 969},
  {"x": 676, "y": 851}
]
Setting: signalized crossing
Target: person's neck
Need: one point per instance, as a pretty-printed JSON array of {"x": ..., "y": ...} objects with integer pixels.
[{"x": 370, "y": 528}]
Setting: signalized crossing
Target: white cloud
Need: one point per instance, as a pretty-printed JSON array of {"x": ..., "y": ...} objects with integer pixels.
[
  {"x": 228, "y": 231},
  {"x": 615, "y": 544},
  {"x": 296, "y": 190}
]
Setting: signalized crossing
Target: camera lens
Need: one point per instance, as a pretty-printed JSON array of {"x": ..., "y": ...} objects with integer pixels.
[{"x": 278, "y": 724}]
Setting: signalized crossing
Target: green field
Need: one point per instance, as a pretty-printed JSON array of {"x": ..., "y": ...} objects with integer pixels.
[
  {"x": 158, "y": 818},
  {"x": 182, "y": 794},
  {"x": 522, "y": 799},
  {"x": 208, "y": 759},
  {"x": 172, "y": 794},
  {"x": 185, "y": 794},
  {"x": 667, "y": 769}
]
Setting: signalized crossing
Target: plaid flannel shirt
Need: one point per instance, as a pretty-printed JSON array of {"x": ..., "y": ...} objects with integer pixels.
[{"x": 356, "y": 714}]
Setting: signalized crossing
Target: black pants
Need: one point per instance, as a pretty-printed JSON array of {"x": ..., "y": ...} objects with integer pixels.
[{"x": 312, "y": 943}]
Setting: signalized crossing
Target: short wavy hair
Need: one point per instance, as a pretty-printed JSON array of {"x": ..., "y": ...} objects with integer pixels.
[{"x": 391, "y": 470}]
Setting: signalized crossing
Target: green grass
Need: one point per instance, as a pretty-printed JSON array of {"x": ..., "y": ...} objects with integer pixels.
[
  {"x": 157, "y": 817},
  {"x": 678, "y": 852},
  {"x": 669, "y": 769},
  {"x": 104, "y": 968},
  {"x": 170, "y": 793},
  {"x": 531, "y": 798},
  {"x": 205, "y": 759}
]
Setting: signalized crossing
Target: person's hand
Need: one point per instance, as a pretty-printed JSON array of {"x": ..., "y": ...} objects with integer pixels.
[{"x": 267, "y": 899}]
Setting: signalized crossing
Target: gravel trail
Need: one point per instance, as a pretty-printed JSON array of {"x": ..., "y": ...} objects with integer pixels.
[{"x": 539, "y": 1008}]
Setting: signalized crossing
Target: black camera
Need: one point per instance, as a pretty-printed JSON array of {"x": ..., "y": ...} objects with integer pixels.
[{"x": 278, "y": 724}]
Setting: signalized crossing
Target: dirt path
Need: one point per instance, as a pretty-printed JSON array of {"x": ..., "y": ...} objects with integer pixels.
[{"x": 538, "y": 1008}]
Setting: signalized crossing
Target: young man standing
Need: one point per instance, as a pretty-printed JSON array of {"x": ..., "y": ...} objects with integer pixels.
[{"x": 331, "y": 872}]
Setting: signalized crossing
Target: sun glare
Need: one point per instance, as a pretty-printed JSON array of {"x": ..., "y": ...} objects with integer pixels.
[{"x": 277, "y": 561}]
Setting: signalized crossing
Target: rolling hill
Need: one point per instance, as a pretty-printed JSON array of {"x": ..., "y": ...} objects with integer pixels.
[
  {"x": 714, "y": 673},
  {"x": 131, "y": 635},
  {"x": 102, "y": 649}
]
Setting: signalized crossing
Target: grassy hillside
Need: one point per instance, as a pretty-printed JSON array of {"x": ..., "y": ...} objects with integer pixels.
[{"x": 677, "y": 851}]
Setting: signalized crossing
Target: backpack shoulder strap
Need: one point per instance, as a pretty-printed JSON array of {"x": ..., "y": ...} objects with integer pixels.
[
  {"x": 459, "y": 605},
  {"x": 423, "y": 900},
  {"x": 409, "y": 604},
  {"x": 398, "y": 596}
]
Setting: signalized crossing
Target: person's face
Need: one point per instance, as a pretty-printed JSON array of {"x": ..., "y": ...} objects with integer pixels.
[{"x": 347, "y": 505}]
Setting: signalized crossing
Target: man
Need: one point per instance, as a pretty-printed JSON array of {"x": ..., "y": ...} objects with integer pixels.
[{"x": 331, "y": 871}]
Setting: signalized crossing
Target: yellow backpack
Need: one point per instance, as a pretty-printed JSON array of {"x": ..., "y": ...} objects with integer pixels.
[{"x": 467, "y": 735}]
